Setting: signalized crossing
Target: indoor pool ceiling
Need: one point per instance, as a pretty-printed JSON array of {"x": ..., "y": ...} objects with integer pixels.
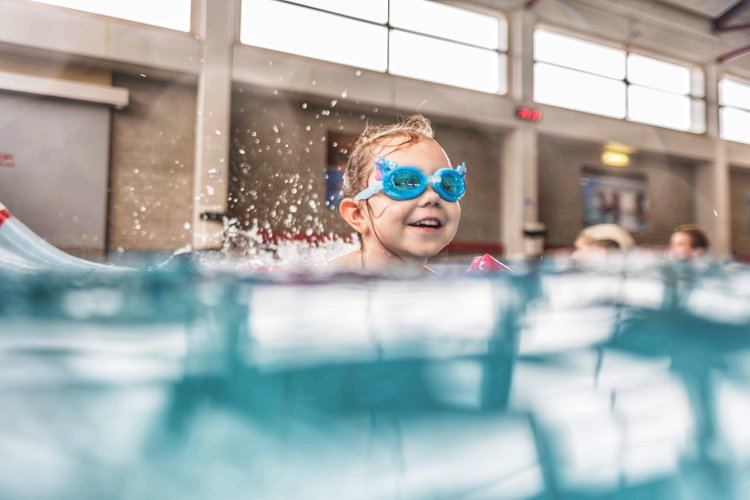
[{"x": 711, "y": 9}]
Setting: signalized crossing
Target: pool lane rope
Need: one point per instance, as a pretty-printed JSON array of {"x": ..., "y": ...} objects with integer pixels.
[{"x": 22, "y": 247}]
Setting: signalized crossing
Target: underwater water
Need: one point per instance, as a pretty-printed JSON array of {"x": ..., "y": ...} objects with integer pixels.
[{"x": 193, "y": 380}]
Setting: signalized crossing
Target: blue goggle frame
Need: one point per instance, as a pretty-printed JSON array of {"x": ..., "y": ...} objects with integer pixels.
[{"x": 406, "y": 183}]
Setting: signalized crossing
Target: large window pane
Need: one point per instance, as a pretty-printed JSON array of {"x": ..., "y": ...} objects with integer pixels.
[
  {"x": 580, "y": 91},
  {"x": 735, "y": 124},
  {"x": 579, "y": 54},
  {"x": 659, "y": 108},
  {"x": 658, "y": 75},
  {"x": 439, "y": 61},
  {"x": 173, "y": 14},
  {"x": 734, "y": 93},
  {"x": 310, "y": 33},
  {"x": 368, "y": 10},
  {"x": 444, "y": 21}
]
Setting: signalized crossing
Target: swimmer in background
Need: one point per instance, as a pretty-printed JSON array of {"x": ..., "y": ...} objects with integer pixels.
[
  {"x": 688, "y": 242},
  {"x": 401, "y": 196},
  {"x": 602, "y": 241}
]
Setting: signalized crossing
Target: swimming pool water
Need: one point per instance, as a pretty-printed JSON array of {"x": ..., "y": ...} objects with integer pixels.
[{"x": 554, "y": 382}]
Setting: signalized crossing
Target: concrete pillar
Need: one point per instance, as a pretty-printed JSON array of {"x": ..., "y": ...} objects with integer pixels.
[
  {"x": 712, "y": 190},
  {"x": 214, "y": 23},
  {"x": 520, "y": 207}
]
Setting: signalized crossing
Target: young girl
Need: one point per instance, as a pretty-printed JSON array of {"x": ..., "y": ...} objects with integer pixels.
[{"x": 401, "y": 197}]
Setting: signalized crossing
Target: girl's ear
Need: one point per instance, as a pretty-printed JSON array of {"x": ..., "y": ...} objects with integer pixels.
[{"x": 351, "y": 211}]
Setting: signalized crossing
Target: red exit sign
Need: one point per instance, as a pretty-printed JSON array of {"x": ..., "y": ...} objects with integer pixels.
[
  {"x": 7, "y": 160},
  {"x": 529, "y": 114}
]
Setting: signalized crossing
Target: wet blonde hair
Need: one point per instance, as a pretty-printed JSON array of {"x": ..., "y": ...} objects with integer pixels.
[{"x": 412, "y": 129}]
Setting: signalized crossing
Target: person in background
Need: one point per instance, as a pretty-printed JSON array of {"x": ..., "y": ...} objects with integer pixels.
[
  {"x": 688, "y": 242},
  {"x": 601, "y": 241}
]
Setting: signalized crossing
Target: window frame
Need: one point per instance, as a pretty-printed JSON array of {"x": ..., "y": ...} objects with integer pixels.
[
  {"x": 697, "y": 87},
  {"x": 501, "y": 52}
]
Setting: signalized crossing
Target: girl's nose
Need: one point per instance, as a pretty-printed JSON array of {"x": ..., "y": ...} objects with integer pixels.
[{"x": 429, "y": 197}]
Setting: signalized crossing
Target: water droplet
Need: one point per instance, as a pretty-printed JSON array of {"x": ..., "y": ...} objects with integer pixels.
[
  {"x": 304, "y": 105},
  {"x": 217, "y": 132},
  {"x": 186, "y": 225},
  {"x": 275, "y": 129},
  {"x": 143, "y": 209},
  {"x": 143, "y": 75},
  {"x": 242, "y": 151},
  {"x": 293, "y": 209},
  {"x": 358, "y": 72},
  {"x": 334, "y": 103},
  {"x": 307, "y": 128},
  {"x": 210, "y": 190},
  {"x": 344, "y": 94},
  {"x": 275, "y": 92}
]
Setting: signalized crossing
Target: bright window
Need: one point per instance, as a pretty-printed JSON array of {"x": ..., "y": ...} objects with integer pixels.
[
  {"x": 426, "y": 58},
  {"x": 573, "y": 53},
  {"x": 446, "y": 22},
  {"x": 580, "y": 91},
  {"x": 585, "y": 76},
  {"x": 659, "y": 75},
  {"x": 172, "y": 14},
  {"x": 734, "y": 93},
  {"x": 734, "y": 114},
  {"x": 366, "y": 10},
  {"x": 312, "y": 33},
  {"x": 659, "y": 108},
  {"x": 418, "y": 39}
]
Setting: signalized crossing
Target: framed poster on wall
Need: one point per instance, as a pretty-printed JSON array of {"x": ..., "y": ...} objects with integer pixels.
[{"x": 615, "y": 198}]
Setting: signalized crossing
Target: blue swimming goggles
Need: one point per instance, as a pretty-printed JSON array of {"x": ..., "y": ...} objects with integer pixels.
[{"x": 406, "y": 183}]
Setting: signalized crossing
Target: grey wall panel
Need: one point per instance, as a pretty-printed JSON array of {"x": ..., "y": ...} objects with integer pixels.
[{"x": 54, "y": 177}]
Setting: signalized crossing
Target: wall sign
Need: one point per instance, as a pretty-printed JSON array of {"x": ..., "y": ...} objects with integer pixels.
[
  {"x": 616, "y": 199},
  {"x": 7, "y": 160}
]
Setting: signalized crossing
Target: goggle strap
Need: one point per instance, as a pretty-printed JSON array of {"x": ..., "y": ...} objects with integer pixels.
[{"x": 369, "y": 192}]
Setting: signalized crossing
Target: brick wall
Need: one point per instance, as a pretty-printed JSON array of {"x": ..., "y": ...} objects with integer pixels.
[
  {"x": 740, "y": 190},
  {"x": 279, "y": 156},
  {"x": 671, "y": 185},
  {"x": 151, "y": 178}
]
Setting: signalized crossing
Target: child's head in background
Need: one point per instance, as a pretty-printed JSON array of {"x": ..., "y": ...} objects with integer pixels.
[{"x": 400, "y": 196}]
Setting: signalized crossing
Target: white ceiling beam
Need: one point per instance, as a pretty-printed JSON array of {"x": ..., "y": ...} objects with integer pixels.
[{"x": 64, "y": 89}]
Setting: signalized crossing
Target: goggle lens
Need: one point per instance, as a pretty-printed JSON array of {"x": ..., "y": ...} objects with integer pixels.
[
  {"x": 406, "y": 181},
  {"x": 453, "y": 184}
]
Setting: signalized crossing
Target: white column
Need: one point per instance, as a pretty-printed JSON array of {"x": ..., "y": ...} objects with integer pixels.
[
  {"x": 214, "y": 21},
  {"x": 712, "y": 186},
  {"x": 519, "y": 177}
]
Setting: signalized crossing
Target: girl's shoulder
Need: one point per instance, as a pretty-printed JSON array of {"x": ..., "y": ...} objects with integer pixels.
[{"x": 349, "y": 262}]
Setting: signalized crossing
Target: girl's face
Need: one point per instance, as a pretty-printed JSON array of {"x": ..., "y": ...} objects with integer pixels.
[{"x": 411, "y": 229}]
